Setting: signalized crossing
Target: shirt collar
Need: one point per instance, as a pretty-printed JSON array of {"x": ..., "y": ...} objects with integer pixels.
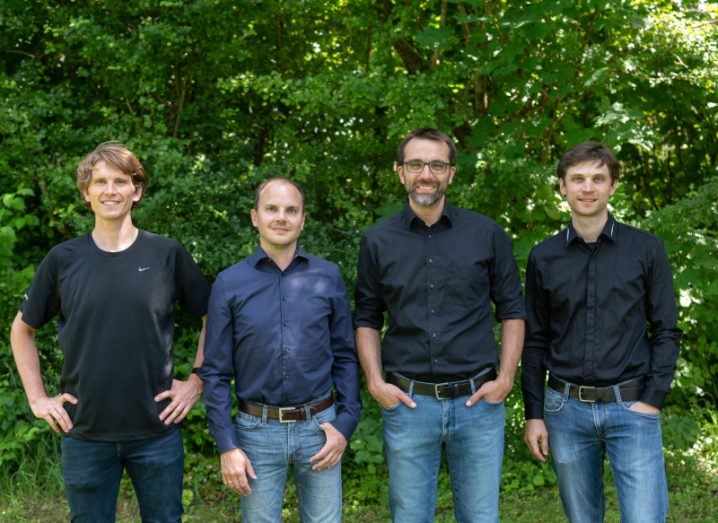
[
  {"x": 259, "y": 255},
  {"x": 449, "y": 213},
  {"x": 610, "y": 230}
]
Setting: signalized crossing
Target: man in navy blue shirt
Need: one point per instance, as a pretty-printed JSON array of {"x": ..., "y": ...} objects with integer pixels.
[{"x": 279, "y": 324}]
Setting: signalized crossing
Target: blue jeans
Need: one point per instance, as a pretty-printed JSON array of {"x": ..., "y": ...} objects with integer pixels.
[
  {"x": 473, "y": 438},
  {"x": 272, "y": 447},
  {"x": 581, "y": 434},
  {"x": 92, "y": 471}
]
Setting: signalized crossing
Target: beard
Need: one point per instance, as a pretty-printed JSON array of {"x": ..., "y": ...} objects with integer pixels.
[{"x": 425, "y": 199}]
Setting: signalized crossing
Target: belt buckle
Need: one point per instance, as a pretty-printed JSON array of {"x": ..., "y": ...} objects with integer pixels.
[
  {"x": 580, "y": 393},
  {"x": 437, "y": 394},
  {"x": 281, "y": 415}
]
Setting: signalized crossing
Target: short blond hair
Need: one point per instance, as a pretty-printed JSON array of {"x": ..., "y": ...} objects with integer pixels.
[{"x": 118, "y": 156}]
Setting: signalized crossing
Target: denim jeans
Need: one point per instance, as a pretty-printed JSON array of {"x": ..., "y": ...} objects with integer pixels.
[
  {"x": 92, "y": 471},
  {"x": 582, "y": 434},
  {"x": 473, "y": 438},
  {"x": 272, "y": 447}
]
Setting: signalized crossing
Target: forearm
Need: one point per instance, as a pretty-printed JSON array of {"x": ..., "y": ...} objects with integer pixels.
[
  {"x": 369, "y": 351},
  {"x": 512, "y": 340},
  {"x": 199, "y": 356},
  {"x": 24, "y": 349}
]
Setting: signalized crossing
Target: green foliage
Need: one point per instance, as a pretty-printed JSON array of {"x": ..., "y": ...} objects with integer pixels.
[{"x": 216, "y": 95}]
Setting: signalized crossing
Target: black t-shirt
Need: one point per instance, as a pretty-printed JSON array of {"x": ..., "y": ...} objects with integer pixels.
[{"x": 115, "y": 328}]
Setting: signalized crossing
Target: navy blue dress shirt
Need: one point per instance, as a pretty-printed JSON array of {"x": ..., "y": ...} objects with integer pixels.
[
  {"x": 437, "y": 284},
  {"x": 599, "y": 314},
  {"x": 285, "y": 337}
]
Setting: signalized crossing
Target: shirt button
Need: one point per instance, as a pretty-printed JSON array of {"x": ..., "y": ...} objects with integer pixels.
[
  {"x": 284, "y": 298},
  {"x": 428, "y": 235},
  {"x": 431, "y": 261},
  {"x": 436, "y": 360},
  {"x": 286, "y": 323},
  {"x": 433, "y": 335},
  {"x": 431, "y": 285},
  {"x": 432, "y": 311}
]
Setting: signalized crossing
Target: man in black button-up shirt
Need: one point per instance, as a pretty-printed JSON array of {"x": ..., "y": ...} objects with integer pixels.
[
  {"x": 602, "y": 320},
  {"x": 435, "y": 269}
]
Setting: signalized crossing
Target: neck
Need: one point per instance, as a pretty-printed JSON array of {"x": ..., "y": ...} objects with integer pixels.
[
  {"x": 282, "y": 255},
  {"x": 114, "y": 235},
  {"x": 429, "y": 215},
  {"x": 589, "y": 227}
]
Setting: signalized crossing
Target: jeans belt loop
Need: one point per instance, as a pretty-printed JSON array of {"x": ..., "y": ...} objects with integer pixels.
[
  {"x": 265, "y": 414},
  {"x": 410, "y": 392},
  {"x": 307, "y": 412}
]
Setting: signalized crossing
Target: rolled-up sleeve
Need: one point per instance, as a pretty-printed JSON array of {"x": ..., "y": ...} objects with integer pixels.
[{"x": 217, "y": 369}]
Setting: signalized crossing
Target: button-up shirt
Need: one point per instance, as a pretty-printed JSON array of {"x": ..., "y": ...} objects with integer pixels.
[
  {"x": 284, "y": 336},
  {"x": 437, "y": 284},
  {"x": 599, "y": 314}
]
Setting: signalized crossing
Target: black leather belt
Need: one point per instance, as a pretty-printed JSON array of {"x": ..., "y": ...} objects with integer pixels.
[
  {"x": 630, "y": 390},
  {"x": 287, "y": 414},
  {"x": 441, "y": 391}
]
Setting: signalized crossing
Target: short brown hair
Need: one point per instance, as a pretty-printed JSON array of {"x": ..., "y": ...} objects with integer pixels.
[
  {"x": 118, "y": 156},
  {"x": 266, "y": 182},
  {"x": 589, "y": 152},
  {"x": 427, "y": 133}
]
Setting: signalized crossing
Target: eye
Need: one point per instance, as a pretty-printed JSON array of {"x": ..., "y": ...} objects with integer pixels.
[
  {"x": 414, "y": 165},
  {"x": 292, "y": 210}
]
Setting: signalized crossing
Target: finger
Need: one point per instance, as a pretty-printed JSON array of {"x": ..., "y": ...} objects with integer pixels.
[
  {"x": 180, "y": 415},
  {"x": 68, "y": 397},
  {"x": 405, "y": 399},
  {"x": 475, "y": 397},
  {"x": 164, "y": 395},
  {"x": 169, "y": 409},
  {"x": 532, "y": 442},
  {"x": 249, "y": 469},
  {"x": 326, "y": 449},
  {"x": 63, "y": 419},
  {"x": 544, "y": 444},
  {"x": 51, "y": 421}
]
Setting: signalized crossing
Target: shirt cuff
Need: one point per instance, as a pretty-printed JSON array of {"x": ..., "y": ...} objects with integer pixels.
[
  {"x": 227, "y": 440},
  {"x": 654, "y": 397},
  {"x": 345, "y": 423},
  {"x": 533, "y": 410}
]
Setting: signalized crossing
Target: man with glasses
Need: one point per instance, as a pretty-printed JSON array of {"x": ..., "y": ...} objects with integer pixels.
[
  {"x": 435, "y": 269},
  {"x": 602, "y": 321}
]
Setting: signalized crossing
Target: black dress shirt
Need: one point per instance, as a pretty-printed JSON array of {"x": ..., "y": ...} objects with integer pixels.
[
  {"x": 437, "y": 284},
  {"x": 599, "y": 315},
  {"x": 285, "y": 337}
]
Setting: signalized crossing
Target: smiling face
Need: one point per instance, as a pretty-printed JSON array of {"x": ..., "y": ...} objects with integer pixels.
[
  {"x": 425, "y": 188},
  {"x": 110, "y": 192},
  {"x": 587, "y": 187},
  {"x": 279, "y": 216}
]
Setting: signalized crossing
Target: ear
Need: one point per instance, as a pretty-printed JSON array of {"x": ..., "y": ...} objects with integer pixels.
[
  {"x": 562, "y": 186},
  {"x": 452, "y": 172},
  {"x": 138, "y": 194},
  {"x": 398, "y": 169},
  {"x": 253, "y": 215},
  {"x": 614, "y": 185}
]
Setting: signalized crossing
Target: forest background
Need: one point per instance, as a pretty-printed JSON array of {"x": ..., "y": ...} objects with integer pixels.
[{"x": 216, "y": 95}]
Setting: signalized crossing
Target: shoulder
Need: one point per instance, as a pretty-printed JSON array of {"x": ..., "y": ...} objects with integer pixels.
[
  {"x": 69, "y": 249},
  {"x": 384, "y": 226},
  {"x": 549, "y": 246},
  {"x": 473, "y": 218},
  {"x": 632, "y": 234},
  {"x": 322, "y": 265},
  {"x": 239, "y": 271},
  {"x": 159, "y": 241}
]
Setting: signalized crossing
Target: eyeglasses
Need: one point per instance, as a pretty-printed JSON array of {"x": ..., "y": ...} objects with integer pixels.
[{"x": 416, "y": 166}]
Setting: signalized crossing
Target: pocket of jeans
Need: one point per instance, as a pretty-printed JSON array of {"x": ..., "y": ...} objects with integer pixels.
[
  {"x": 246, "y": 421},
  {"x": 325, "y": 416},
  {"x": 553, "y": 401},
  {"x": 626, "y": 405},
  {"x": 392, "y": 408}
]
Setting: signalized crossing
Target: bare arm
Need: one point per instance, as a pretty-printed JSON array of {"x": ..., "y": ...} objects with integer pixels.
[
  {"x": 24, "y": 349},
  {"x": 184, "y": 394},
  {"x": 512, "y": 341},
  {"x": 369, "y": 351}
]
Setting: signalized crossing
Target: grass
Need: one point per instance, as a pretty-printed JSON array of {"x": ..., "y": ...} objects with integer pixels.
[{"x": 33, "y": 492}]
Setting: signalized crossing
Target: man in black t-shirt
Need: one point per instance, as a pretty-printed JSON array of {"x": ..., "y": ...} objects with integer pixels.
[{"x": 113, "y": 292}]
